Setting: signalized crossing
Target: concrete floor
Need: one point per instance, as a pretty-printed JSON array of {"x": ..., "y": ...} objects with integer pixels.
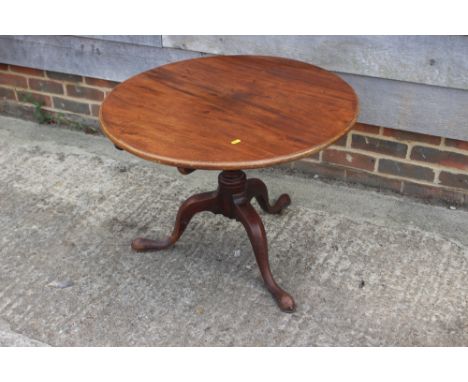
[{"x": 365, "y": 268}]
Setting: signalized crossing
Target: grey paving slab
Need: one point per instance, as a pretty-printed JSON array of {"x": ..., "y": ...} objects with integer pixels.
[
  {"x": 10, "y": 338},
  {"x": 366, "y": 268}
]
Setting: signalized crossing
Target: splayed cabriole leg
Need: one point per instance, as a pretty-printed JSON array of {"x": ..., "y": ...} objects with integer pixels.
[
  {"x": 257, "y": 189},
  {"x": 232, "y": 199},
  {"x": 197, "y": 203},
  {"x": 247, "y": 215}
]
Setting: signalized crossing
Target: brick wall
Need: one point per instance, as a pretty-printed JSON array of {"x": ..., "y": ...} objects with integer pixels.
[
  {"x": 62, "y": 98},
  {"x": 423, "y": 166}
]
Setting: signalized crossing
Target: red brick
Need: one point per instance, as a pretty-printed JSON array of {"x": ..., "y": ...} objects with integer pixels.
[
  {"x": 349, "y": 159},
  {"x": 4, "y": 67},
  {"x": 64, "y": 77},
  {"x": 101, "y": 83},
  {"x": 372, "y": 129},
  {"x": 25, "y": 70},
  {"x": 13, "y": 80},
  {"x": 82, "y": 123},
  {"x": 406, "y": 170},
  {"x": 18, "y": 110},
  {"x": 434, "y": 193},
  {"x": 84, "y": 92},
  {"x": 315, "y": 157},
  {"x": 444, "y": 158},
  {"x": 324, "y": 170},
  {"x": 410, "y": 136},
  {"x": 46, "y": 86},
  {"x": 379, "y": 146},
  {"x": 462, "y": 145},
  {"x": 75, "y": 107},
  {"x": 342, "y": 141},
  {"x": 6, "y": 93},
  {"x": 373, "y": 180},
  {"x": 454, "y": 180},
  {"x": 95, "y": 110},
  {"x": 28, "y": 97}
]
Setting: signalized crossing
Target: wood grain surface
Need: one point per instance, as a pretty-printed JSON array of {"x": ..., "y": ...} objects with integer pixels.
[{"x": 229, "y": 112}]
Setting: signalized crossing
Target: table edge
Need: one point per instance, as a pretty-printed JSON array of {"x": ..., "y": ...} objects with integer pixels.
[{"x": 239, "y": 165}]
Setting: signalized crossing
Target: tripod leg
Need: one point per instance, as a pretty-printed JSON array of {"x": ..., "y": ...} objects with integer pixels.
[
  {"x": 247, "y": 215},
  {"x": 257, "y": 189},
  {"x": 206, "y": 201}
]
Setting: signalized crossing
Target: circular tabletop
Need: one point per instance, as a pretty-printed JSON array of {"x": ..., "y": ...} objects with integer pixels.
[{"x": 229, "y": 112}]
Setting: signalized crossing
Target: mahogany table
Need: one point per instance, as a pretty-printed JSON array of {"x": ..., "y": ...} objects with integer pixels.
[{"x": 229, "y": 113}]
